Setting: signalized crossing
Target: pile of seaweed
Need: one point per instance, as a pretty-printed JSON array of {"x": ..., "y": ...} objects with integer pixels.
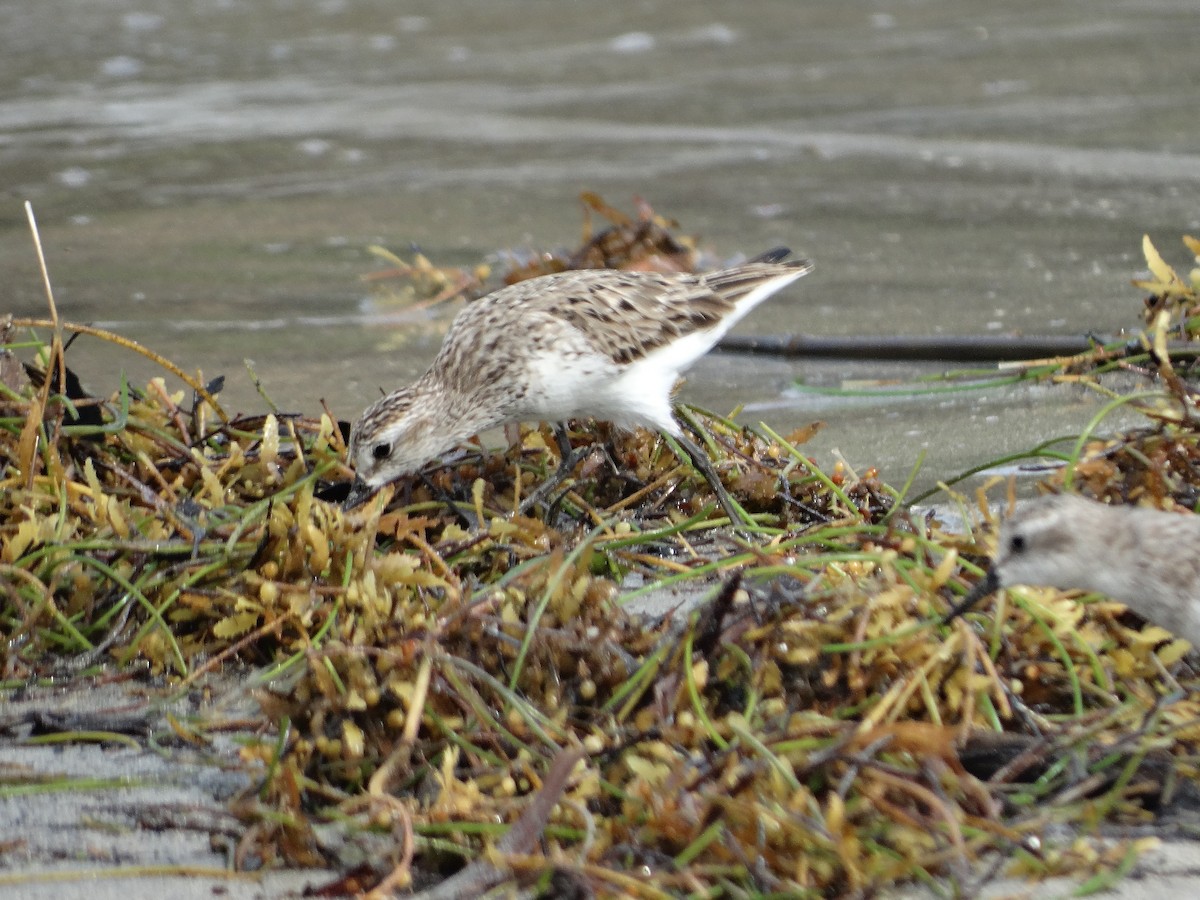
[{"x": 453, "y": 688}]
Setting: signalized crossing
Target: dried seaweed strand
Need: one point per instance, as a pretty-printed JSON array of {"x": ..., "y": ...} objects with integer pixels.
[{"x": 481, "y": 875}]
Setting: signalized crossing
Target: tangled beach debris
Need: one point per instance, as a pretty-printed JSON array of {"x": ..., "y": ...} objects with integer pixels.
[{"x": 438, "y": 669}]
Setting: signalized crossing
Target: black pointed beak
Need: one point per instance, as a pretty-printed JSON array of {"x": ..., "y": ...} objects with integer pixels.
[
  {"x": 360, "y": 493},
  {"x": 989, "y": 584}
]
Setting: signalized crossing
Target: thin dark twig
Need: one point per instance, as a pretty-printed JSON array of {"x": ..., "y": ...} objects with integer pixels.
[{"x": 480, "y": 876}]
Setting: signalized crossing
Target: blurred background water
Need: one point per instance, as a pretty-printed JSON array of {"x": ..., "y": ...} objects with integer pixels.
[{"x": 208, "y": 175}]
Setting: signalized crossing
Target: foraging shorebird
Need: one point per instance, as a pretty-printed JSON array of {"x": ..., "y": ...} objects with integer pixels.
[
  {"x": 1145, "y": 558},
  {"x": 595, "y": 343}
]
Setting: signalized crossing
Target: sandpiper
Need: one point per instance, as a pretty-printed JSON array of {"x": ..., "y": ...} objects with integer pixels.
[
  {"x": 1145, "y": 558},
  {"x": 595, "y": 343}
]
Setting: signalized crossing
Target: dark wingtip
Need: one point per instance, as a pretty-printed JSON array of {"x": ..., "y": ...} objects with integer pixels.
[
  {"x": 360, "y": 493},
  {"x": 774, "y": 255},
  {"x": 989, "y": 584}
]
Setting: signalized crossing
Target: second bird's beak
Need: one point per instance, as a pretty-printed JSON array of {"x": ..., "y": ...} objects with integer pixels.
[
  {"x": 360, "y": 493},
  {"x": 989, "y": 584}
]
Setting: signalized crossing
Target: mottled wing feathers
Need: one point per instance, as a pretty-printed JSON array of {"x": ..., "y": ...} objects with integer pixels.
[
  {"x": 626, "y": 315},
  {"x": 625, "y": 319},
  {"x": 734, "y": 284}
]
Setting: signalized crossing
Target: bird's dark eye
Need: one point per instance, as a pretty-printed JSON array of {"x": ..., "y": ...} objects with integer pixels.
[
  {"x": 1017, "y": 543},
  {"x": 381, "y": 451}
]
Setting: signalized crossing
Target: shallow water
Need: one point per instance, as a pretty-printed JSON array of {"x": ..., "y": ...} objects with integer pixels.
[{"x": 208, "y": 175}]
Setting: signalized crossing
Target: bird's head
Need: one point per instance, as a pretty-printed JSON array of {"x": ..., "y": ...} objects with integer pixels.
[
  {"x": 394, "y": 437},
  {"x": 1049, "y": 542}
]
